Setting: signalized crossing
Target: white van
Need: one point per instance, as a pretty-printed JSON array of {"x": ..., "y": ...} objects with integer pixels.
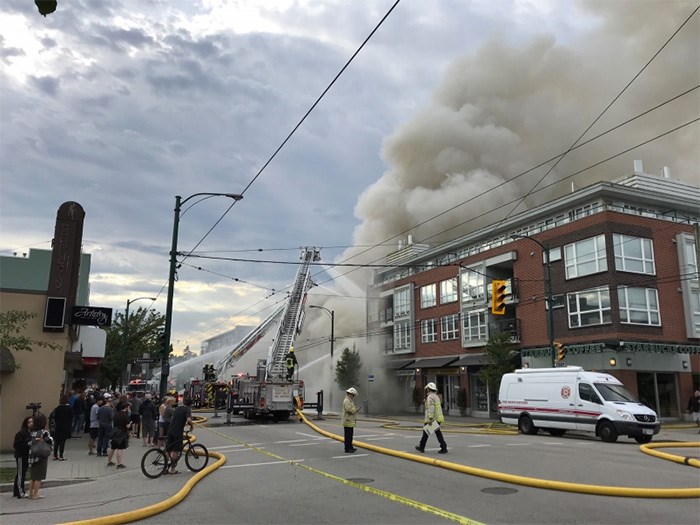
[{"x": 569, "y": 398}]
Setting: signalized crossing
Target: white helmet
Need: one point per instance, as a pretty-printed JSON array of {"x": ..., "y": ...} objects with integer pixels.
[
  {"x": 431, "y": 386},
  {"x": 352, "y": 391}
]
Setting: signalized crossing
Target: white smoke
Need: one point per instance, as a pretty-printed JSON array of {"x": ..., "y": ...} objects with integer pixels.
[{"x": 506, "y": 108}]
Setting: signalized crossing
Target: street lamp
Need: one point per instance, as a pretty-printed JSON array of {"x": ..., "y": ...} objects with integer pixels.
[
  {"x": 165, "y": 362},
  {"x": 549, "y": 299},
  {"x": 332, "y": 314},
  {"x": 125, "y": 343}
]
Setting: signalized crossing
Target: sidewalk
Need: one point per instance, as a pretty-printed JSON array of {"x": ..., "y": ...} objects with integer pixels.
[
  {"x": 84, "y": 487},
  {"x": 79, "y": 467}
]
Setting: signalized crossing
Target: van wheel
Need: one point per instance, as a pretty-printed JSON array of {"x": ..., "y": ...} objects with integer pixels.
[
  {"x": 607, "y": 432},
  {"x": 556, "y": 432},
  {"x": 526, "y": 425},
  {"x": 642, "y": 440}
]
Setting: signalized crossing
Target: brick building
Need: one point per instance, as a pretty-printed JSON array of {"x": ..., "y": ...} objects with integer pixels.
[{"x": 625, "y": 296}]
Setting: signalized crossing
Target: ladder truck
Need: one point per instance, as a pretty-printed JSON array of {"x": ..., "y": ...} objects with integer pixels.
[{"x": 269, "y": 393}]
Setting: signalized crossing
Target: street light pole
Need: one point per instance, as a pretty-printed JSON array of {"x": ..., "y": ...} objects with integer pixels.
[
  {"x": 125, "y": 342},
  {"x": 548, "y": 291},
  {"x": 165, "y": 355},
  {"x": 332, "y": 314}
]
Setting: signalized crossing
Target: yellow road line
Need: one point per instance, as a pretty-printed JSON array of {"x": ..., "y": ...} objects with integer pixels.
[{"x": 377, "y": 492}]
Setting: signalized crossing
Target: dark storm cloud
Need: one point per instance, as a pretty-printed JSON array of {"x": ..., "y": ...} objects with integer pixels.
[
  {"x": 48, "y": 85},
  {"x": 6, "y": 53},
  {"x": 118, "y": 39}
]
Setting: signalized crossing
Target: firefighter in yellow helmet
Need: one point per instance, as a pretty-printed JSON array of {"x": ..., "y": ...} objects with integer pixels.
[{"x": 290, "y": 362}]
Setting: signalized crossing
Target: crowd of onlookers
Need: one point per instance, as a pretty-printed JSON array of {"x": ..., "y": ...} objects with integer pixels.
[{"x": 108, "y": 419}]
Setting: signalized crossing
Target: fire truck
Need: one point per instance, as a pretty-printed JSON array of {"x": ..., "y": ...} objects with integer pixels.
[
  {"x": 207, "y": 392},
  {"x": 269, "y": 393}
]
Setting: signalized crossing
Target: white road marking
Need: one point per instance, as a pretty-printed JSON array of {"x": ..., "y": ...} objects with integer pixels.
[
  {"x": 379, "y": 439},
  {"x": 478, "y": 446},
  {"x": 289, "y": 441},
  {"x": 346, "y": 456},
  {"x": 305, "y": 444}
]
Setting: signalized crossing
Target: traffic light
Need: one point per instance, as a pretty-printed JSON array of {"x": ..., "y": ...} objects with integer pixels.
[
  {"x": 46, "y": 7},
  {"x": 561, "y": 350},
  {"x": 498, "y": 296}
]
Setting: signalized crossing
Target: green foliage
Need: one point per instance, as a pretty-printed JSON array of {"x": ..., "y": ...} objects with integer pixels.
[
  {"x": 347, "y": 369},
  {"x": 498, "y": 353},
  {"x": 145, "y": 325},
  {"x": 12, "y": 324}
]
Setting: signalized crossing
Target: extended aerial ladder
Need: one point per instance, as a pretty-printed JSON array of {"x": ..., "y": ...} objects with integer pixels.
[
  {"x": 245, "y": 344},
  {"x": 269, "y": 392},
  {"x": 293, "y": 316}
]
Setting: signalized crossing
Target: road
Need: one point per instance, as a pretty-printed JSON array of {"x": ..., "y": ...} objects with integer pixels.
[{"x": 288, "y": 473}]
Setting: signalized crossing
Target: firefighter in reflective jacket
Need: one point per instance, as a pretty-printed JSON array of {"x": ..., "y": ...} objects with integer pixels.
[{"x": 291, "y": 362}]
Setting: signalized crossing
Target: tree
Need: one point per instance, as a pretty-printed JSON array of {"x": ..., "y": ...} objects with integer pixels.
[
  {"x": 501, "y": 361},
  {"x": 12, "y": 325},
  {"x": 145, "y": 325},
  {"x": 347, "y": 369}
]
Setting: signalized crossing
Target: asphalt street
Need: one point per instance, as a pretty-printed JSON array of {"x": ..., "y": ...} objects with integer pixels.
[{"x": 290, "y": 473}]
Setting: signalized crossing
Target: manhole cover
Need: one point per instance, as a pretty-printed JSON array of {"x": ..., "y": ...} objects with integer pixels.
[
  {"x": 502, "y": 491},
  {"x": 361, "y": 480}
]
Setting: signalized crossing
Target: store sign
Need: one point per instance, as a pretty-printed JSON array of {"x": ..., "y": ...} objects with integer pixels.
[
  {"x": 91, "y": 316},
  {"x": 411, "y": 372}
]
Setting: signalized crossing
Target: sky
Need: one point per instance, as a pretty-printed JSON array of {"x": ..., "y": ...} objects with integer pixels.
[{"x": 122, "y": 105}]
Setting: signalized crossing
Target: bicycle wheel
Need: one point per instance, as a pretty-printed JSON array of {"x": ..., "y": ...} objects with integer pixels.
[
  {"x": 196, "y": 457},
  {"x": 154, "y": 463}
]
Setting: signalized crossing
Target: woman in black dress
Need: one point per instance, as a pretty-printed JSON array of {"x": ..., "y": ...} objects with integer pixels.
[{"x": 21, "y": 446}]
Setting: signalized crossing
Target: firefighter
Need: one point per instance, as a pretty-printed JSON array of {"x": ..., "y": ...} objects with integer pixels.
[
  {"x": 348, "y": 419},
  {"x": 291, "y": 362}
]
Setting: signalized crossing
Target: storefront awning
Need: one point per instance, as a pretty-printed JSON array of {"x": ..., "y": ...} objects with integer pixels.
[
  {"x": 397, "y": 364},
  {"x": 472, "y": 359},
  {"x": 432, "y": 362}
]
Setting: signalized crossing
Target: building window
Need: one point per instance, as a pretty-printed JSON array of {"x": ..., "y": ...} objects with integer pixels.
[
  {"x": 450, "y": 327},
  {"x": 690, "y": 260},
  {"x": 402, "y": 336},
  {"x": 472, "y": 286},
  {"x": 639, "y": 305},
  {"x": 695, "y": 305},
  {"x": 589, "y": 307},
  {"x": 474, "y": 326},
  {"x": 448, "y": 291},
  {"x": 427, "y": 296},
  {"x": 402, "y": 302},
  {"x": 633, "y": 254},
  {"x": 585, "y": 257},
  {"x": 428, "y": 330}
]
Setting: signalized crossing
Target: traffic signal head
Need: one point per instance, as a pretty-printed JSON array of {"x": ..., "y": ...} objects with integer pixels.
[
  {"x": 561, "y": 350},
  {"x": 498, "y": 296},
  {"x": 46, "y": 7}
]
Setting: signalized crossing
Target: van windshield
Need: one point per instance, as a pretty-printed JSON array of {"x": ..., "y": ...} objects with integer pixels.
[{"x": 615, "y": 393}]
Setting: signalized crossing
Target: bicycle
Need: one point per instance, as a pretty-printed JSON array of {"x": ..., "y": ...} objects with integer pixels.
[{"x": 156, "y": 461}]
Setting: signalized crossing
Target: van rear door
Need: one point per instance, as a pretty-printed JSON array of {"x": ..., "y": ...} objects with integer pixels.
[{"x": 588, "y": 408}]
